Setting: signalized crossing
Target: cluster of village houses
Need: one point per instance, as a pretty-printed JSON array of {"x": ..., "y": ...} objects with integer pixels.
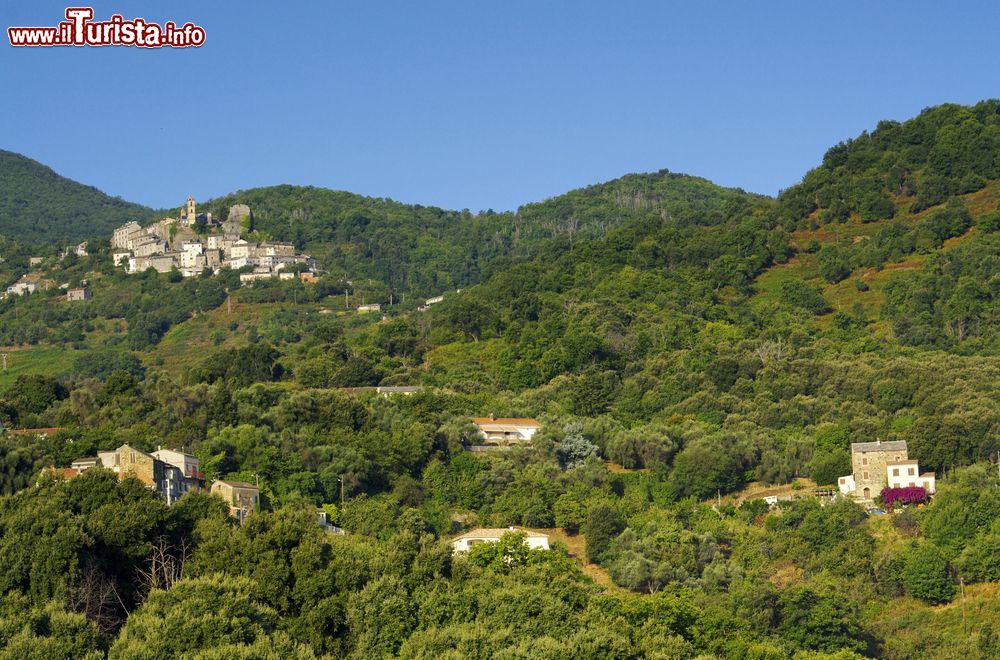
[
  {"x": 33, "y": 282},
  {"x": 173, "y": 243},
  {"x": 171, "y": 474}
]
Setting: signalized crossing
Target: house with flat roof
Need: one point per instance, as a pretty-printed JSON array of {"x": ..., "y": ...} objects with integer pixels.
[
  {"x": 465, "y": 542},
  {"x": 506, "y": 430}
]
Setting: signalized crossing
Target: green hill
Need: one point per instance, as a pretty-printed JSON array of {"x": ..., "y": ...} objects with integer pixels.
[
  {"x": 425, "y": 250},
  {"x": 40, "y": 207}
]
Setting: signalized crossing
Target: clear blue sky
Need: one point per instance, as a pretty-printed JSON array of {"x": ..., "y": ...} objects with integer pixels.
[{"x": 475, "y": 104}]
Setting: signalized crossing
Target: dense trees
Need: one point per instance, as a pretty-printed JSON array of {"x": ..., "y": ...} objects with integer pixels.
[
  {"x": 39, "y": 206},
  {"x": 946, "y": 150}
]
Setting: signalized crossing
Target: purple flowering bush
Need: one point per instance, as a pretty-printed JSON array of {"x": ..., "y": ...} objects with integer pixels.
[{"x": 908, "y": 495}]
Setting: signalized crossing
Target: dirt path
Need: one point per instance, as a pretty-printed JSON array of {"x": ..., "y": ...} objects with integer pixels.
[{"x": 577, "y": 546}]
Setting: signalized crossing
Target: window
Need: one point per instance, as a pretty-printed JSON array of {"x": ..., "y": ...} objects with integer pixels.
[
  {"x": 864, "y": 461},
  {"x": 865, "y": 476},
  {"x": 895, "y": 472},
  {"x": 910, "y": 472}
]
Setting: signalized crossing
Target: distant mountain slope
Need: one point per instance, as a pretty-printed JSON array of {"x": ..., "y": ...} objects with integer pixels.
[
  {"x": 424, "y": 249},
  {"x": 910, "y": 166},
  {"x": 39, "y": 206}
]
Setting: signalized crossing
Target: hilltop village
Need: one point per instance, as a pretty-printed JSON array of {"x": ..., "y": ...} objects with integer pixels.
[{"x": 194, "y": 242}]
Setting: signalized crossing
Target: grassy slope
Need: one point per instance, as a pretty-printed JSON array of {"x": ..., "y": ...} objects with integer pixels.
[{"x": 912, "y": 629}]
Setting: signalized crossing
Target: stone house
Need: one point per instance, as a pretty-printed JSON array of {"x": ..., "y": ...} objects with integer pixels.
[
  {"x": 242, "y": 498},
  {"x": 79, "y": 295}
]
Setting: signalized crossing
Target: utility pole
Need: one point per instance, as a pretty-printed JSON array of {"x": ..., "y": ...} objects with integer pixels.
[
  {"x": 341, "y": 479},
  {"x": 5, "y": 367}
]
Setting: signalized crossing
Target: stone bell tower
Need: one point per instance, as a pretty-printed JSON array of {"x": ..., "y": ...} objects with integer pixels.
[{"x": 191, "y": 213}]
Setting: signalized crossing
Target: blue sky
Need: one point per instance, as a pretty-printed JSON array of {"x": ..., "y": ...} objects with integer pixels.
[{"x": 475, "y": 104}]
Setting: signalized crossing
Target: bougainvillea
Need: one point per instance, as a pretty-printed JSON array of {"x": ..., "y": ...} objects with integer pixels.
[{"x": 909, "y": 495}]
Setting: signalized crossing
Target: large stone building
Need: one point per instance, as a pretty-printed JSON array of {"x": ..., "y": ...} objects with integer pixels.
[{"x": 877, "y": 465}]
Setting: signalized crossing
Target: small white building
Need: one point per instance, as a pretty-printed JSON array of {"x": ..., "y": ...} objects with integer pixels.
[
  {"x": 22, "y": 287},
  {"x": 906, "y": 474},
  {"x": 430, "y": 301},
  {"x": 846, "y": 484},
  {"x": 464, "y": 543},
  {"x": 374, "y": 307},
  {"x": 506, "y": 430}
]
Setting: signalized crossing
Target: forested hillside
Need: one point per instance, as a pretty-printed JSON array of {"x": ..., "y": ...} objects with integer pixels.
[
  {"x": 38, "y": 206},
  {"x": 685, "y": 347},
  {"x": 422, "y": 250}
]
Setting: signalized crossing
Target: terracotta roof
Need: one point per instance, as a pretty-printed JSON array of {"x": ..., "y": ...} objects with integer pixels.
[
  {"x": 495, "y": 533},
  {"x": 507, "y": 421}
]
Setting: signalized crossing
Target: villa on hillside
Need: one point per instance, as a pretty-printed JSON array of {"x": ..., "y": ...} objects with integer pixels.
[
  {"x": 464, "y": 542},
  {"x": 877, "y": 465},
  {"x": 505, "y": 431}
]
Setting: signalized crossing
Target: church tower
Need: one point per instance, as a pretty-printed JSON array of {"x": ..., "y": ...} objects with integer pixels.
[{"x": 191, "y": 212}]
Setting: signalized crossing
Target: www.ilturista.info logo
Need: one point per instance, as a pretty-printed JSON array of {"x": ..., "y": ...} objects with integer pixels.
[{"x": 81, "y": 30}]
